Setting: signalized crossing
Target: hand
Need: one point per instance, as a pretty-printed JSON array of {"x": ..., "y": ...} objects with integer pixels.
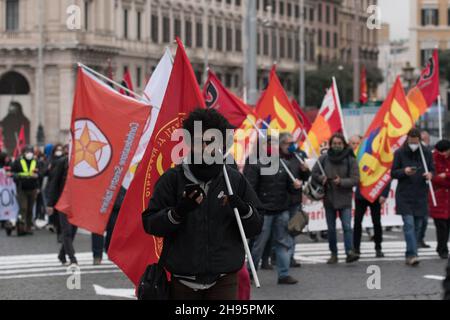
[
  {"x": 304, "y": 168},
  {"x": 410, "y": 171},
  {"x": 428, "y": 176},
  {"x": 236, "y": 202},
  {"x": 442, "y": 175},
  {"x": 382, "y": 200},
  {"x": 297, "y": 184},
  {"x": 188, "y": 203},
  {"x": 337, "y": 181},
  {"x": 50, "y": 211}
]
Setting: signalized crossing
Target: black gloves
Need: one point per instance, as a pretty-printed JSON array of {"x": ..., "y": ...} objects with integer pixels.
[
  {"x": 188, "y": 203},
  {"x": 236, "y": 202}
]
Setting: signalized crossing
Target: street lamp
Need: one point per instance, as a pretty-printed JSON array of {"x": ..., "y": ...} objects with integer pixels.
[{"x": 408, "y": 75}]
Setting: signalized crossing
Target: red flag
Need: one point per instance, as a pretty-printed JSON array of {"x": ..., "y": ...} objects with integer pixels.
[
  {"x": 127, "y": 83},
  {"x": 275, "y": 108},
  {"x": 218, "y": 97},
  {"x": 20, "y": 143},
  {"x": 106, "y": 127},
  {"x": 302, "y": 116},
  {"x": 363, "y": 96},
  {"x": 385, "y": 135},
  {"x": 131, "y": 248},
  {"x": 328, "y": 121},
  {"x": 422, "y": 96}
]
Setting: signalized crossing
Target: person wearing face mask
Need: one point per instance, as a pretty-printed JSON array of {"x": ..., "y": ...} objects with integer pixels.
[
  {"x": 341, "y": 175},
  {"x": 191, "y": 209},
  {"x": 361, "y": 205},
  {"x": 411, "y": 196},
  {"x": 56, "y": 154},
  {"x": 27, "y": 171},
  {"x": 291, "y": 153},
  {"x": 441, "y": 183},
  {"x": 274, "y": 191}
]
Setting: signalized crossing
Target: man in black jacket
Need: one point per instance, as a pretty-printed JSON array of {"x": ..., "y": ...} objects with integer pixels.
[
  {"x": 411, "y": 196},
  {"x": 54, "y": 192},
  {"x": 275, "y": 192},
  {"x": 190, "y": 209},
  {"x": 291, "y": 153}
]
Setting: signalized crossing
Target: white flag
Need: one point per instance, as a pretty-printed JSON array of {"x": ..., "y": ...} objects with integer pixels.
[{"x": 155, "y": 92}]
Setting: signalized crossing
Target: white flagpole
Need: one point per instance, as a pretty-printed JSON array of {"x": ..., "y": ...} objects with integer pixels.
[
  {"x": 291, "y": 176},
  {"x": 440, "y": 116},
  {"x": 241, "y": 230},
  {"x": 113, "y": 82},
  {"x": 430, "y": 184}
]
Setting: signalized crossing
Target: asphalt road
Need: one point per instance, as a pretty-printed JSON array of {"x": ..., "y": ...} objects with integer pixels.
[{"x": 29, "y": 269}]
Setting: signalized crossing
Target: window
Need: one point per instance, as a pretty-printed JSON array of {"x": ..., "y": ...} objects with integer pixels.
[
  {"x": 425, "y": 55},
  {"x": 239, "y": 40},
  {"x": 448, "y": 16},
  {"x": 188, "y": 27},
  {"x": 219, "y": 38},
  {"x": 139, "y": 23},
  {"x": 311, "y": 14},
  {"x": 266, "y": 44},
  {"x": 430, "y": 17},
  {"x": 238, "y": 3},
  {"x": 297, "y": 11},
  {"x": 228, "y": 78},
  {"x": 319, "y": 13},
  {"x": 258, "y": 44},
  {"x": 166, "y": 29},
  {"x": 199, "y": 34},
  {"x": 335, "y": 40},
  {"x": 138, "y": 76},
  {"x": 328, "y": 39},
  {"x": 282, "y": 47},
  {"x": 297, "y": 50},
  {"x": 210, "y": 36},
  {"x": 289, "y": 47},
  {"x": 320, "y": 38},
  {"x": 335, "y": 16},
  {"x": 289, "y": 9},
  {"x": 274, "y": 46},
  {"x": 154, "y": 30},
  {"x": 229, "y": 39},
  {"x": 281, "y": 8},
  {"x": 327, "y": 17},
  {"x": 236, "y": 81},
  {"x": 177, "y": 27},
  {"x": 86, "y": 14},
  {"x": 125, "y": 23}
]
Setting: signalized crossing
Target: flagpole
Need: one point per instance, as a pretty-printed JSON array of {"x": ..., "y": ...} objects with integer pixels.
[
  {"x": 291, "y": 176},
  {"x": 440, "y": 116},
  {"x": 430, "y": 184},
  {"x": 115, "y": 83},
  {"x": 241, "y": 230}
]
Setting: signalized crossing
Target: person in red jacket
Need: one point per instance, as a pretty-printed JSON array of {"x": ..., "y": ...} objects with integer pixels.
[{"x": 441, "y": 183}]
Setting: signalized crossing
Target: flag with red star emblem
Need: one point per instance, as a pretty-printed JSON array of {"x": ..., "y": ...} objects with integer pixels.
[{"x": 106, "y": 128}]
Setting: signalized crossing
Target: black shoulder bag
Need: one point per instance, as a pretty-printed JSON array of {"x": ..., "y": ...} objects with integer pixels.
[{"x": 154, "y": 284}]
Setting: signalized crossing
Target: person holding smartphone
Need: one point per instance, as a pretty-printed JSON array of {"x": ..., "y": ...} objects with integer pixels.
[
  {"x": 191, "y": 209},
  {"x": 411, "y": 195}
]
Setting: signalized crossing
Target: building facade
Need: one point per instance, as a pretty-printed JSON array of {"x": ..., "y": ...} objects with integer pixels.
[
  {"x": 366, "y": 38},
  {"x": 133, "y": 35}
]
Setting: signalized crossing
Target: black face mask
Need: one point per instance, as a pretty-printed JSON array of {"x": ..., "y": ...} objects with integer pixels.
[{"x": 203, "y": 171}]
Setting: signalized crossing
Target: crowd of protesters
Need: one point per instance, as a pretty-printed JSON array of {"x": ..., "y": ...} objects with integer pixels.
[{"x": 190, "y": 208}]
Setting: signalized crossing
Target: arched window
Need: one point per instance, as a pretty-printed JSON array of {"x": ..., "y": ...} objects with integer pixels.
[
  {"x": 14, "y": 83},
  {"x": 12, "y": 15}
]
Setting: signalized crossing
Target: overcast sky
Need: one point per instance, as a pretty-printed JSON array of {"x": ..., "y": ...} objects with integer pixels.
[{"x": 396, "y": 13}]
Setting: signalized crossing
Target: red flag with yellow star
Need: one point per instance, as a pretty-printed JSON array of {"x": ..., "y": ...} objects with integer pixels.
[
  {"x": 106, "y": 128},
  {"x": 131, "y": 248}
]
